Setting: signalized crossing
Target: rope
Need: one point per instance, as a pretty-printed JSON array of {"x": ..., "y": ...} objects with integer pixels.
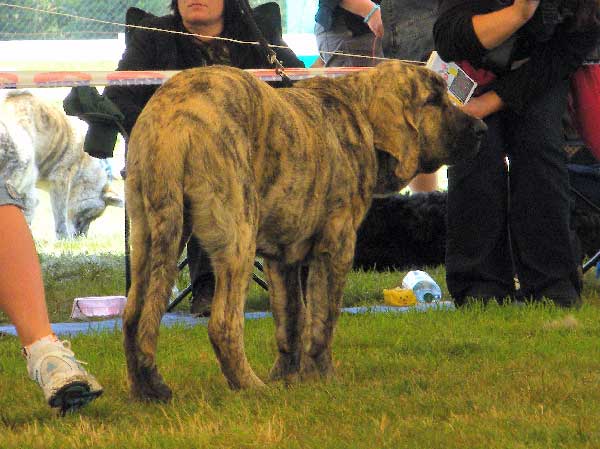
[{"x": 237, "y": 41}]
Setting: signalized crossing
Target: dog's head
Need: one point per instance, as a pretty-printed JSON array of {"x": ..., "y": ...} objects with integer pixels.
[
  {"x": 89, "y": 196},
  {"x": 416, "y": 127}
]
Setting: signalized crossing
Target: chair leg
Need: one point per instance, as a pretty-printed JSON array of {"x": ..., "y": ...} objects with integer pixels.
[
  {"x": 180, "y": 297},
  {"x": 593, "y": 261},
  {"x": 188, "y": 290}
]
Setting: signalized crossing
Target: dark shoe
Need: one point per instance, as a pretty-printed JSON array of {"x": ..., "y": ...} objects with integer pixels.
[
  {"x": 485, "y": 293},
  {"x": 200, "y": 307},
  {"x": 562, "y": 294},
  {"x": 565, "y": 300},
  {"x": 202, "y": 299},
  {"x": 486, "y": 299}
]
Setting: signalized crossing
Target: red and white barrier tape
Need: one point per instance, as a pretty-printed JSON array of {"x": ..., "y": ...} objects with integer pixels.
[{"x": 33, "y": 79}]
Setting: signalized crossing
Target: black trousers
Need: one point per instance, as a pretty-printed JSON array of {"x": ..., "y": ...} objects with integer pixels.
[
  {"x": 201, "y": 274},
  {"x": 506, "y": 220}
]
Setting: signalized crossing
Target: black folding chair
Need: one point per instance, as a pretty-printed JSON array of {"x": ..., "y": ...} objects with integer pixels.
[{"x": 585, "y": 190}]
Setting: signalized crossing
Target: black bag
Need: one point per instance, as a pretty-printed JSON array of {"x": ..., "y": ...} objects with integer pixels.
[{"x": 102, "y": 115}]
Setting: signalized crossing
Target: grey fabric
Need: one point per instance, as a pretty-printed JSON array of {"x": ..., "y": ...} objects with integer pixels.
[
  {"x": 340, "y": 39},
  {"x": 9, "y": 195},
  {"x": 408, "y": 26}
]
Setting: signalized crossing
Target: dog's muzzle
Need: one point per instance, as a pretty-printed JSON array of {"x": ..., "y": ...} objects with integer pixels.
[{"x": 469, "y": 142}]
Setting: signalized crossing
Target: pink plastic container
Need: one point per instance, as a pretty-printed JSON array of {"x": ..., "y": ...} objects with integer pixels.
[{"x": 97, "y": 306}]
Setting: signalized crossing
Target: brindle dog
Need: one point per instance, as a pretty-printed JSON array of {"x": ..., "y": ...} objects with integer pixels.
[{"x": 284, "y": 173}]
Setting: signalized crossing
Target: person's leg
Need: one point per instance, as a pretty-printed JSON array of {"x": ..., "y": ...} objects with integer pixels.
[
  {"x": 51, "y": 363},
  {"x": 426, "y": 182},
  {"x": 201, "y": 278},
  {"x": 545, "y": 254},
  {"x": 330, "y": 41},
  {"x": 478, "y": 261},
  {"x": 21, "y": 287}
]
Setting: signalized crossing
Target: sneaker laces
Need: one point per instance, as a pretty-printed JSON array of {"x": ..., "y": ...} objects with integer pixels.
[{"x": 66, "y": 345}]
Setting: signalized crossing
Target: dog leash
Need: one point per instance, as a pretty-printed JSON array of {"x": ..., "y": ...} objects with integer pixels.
[{"x": 267, "y": 51}]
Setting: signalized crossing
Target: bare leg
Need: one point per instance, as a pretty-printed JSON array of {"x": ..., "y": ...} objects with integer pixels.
[
  {"x": 21, "y": 287},
  {"x": 424, "y": 183}
]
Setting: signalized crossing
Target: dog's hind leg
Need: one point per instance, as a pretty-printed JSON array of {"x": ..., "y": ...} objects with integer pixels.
[
  {"x": 287, "y": 304},
  {"x": 140, "y": 276},
  {"x": 166, "y": 229},
  {"x": 158, "y": 230},
  {"x": 328, "y": 269},
  {"x": 232, "y": 262},
  {"x": 226, "y": 323}
]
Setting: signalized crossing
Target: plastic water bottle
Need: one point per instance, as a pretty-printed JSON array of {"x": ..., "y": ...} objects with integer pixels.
[{"x": 423, "y": 286}]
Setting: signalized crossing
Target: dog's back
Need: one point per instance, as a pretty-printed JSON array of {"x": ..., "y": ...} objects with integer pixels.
[
  {"x": 276, "y": 145},
  {"x": 287, "y": 173}
]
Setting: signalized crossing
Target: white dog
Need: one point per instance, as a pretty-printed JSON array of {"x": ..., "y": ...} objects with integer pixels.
[{"x": 39, "y": 145}]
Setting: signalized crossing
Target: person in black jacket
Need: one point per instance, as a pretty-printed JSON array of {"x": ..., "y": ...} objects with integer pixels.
[
  {"x": 512, "y": 220},
  {"x": 154, "y": 50}
]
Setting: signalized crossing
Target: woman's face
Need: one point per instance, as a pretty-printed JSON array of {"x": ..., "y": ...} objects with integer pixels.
[{"x": 201, "y": 12}]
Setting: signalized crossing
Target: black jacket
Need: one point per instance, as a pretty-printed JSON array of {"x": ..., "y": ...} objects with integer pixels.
[
  {"x": 153, "y": 50},
  {"x": 551, "y": 57}
]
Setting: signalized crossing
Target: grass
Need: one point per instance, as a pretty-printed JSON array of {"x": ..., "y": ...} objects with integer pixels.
[
  {"x": 479, "y": 377},
  {"x": 495, "y": 377}
]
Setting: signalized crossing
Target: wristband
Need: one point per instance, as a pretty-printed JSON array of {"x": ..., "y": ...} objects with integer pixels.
[{"x": 368, "y": 16}]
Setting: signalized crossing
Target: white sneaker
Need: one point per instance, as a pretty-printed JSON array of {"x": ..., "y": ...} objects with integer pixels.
[{"x": 65, "y": 383}]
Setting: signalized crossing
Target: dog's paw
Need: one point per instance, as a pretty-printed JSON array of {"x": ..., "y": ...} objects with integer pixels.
[
  {"x": 248, "y": 382},
  {"x": 150, "y": 386},
  {"x": 154, "y": 393},
  {"x": 284, "y": 369},
  {"x": 319, "y": 367}
]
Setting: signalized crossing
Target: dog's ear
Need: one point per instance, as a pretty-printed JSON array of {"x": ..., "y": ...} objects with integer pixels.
[
  {"x": 111, "y": 198},
  {"x": 395, "y": 131}
]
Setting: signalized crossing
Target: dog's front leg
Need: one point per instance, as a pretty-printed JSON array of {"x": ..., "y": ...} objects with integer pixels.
[
  {"x": 331, "y": 263},
  {"x": 59, "y": 198},
  {"x": 287, "y": 304}
]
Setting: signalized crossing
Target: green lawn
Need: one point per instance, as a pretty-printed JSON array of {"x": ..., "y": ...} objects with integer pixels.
[
  {"x": 495, "y": 377},
  {"x": 479, "y": 377}
]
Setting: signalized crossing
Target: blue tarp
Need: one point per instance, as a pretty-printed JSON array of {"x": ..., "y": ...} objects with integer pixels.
[{"x": 171, "y": 319}]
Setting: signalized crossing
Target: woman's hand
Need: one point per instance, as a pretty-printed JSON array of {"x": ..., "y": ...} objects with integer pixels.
[
  {"x": 375, "y": 24},
  {"x": 362, "y": 8},
  {"x": 484, "y": 105}
]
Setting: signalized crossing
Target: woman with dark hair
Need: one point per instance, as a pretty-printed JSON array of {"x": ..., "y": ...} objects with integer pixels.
[
  {"x": 162, "y": 50},
  {"x": 156, "y": 50},
  {"x": 523, "y": 53}
]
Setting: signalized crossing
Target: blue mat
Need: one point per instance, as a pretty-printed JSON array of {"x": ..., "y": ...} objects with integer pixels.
[{"x": 171, "y": 319}]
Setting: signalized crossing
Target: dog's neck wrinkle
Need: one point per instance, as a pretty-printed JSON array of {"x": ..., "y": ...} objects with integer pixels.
[{"x": 356, "y": 88}]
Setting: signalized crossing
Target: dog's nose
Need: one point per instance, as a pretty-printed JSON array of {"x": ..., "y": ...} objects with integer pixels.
[{"x": 479, "y": 128}]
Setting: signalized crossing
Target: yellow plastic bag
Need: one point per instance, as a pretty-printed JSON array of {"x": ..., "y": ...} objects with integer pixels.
[{"x": 399, "y": 297}]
